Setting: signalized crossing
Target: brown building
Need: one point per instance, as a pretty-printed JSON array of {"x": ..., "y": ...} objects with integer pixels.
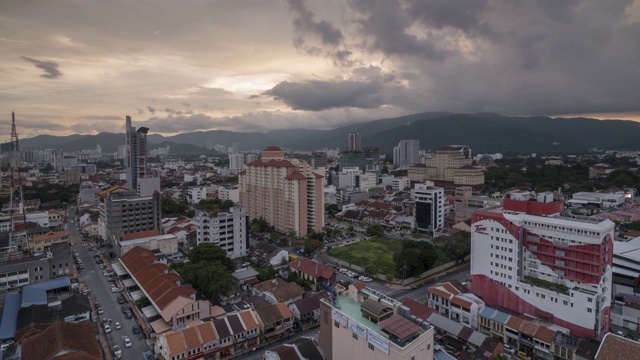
[{"x": 286, "y": 193}]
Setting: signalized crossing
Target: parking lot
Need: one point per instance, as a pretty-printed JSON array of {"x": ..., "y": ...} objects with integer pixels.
[{"x": 92, "y": 278}]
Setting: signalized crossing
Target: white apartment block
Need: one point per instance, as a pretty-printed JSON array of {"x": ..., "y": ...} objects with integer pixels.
[
  {"x": 399, "y": 184},
  {"x": 236, "y": 163},
  {"x": 526, "y": 257},
  {"x": 229, "y": 230},
  {"x": 196, "y": 194},
  {"x": 232, "y": 194},
  {"x": 453, "y": 301}
]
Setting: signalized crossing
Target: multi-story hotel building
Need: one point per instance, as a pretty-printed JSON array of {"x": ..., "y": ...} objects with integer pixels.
[
  {"x": 286, "y": 193},
  {"x": 229, "y": 230},
  {"x": 527, "y": 257},
  {"x": 451, "y": 166},
  {"x": 136, "y": 157},
  {"x": 360, "y": 323}
]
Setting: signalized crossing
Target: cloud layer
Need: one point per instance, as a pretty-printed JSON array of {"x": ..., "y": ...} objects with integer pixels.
[{"x": 294, "y": 63}]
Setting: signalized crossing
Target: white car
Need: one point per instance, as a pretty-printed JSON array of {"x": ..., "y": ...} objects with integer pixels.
[
  {"x": 127, "y": 342},
  {"x": 343, "y": 270},
  {"x": 116, "y": 350},
  {"x": 365, "y": 278},
  {"x": 118, "y": 326},
  {"x": 115, "y": 289},
  {"x": 107, "y": 328}
]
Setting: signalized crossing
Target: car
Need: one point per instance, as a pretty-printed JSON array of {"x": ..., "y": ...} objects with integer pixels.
[
  {"x": 81, "y": 267},
  {"x": 136, "y": 329},
  {"x": 5, "y": 345},
  {"x": 128, "y": 315},
  {"x": 509, "y": 349},
  {"x": 86, "y": 291},
  {"x": 118, "y": 326},
  {"x": 125, "y": 308},
  {"x": 115, "y": 289},
  {"x": 117, "y": 351},
  {"x": 121, "y": 300},
  {"x": 107, "y": 328},
  {"x": 127, "y": 342},
  {"x": 107, "y": 273},
  {"x": 100, "y": 311},
  {"x": 343, "y": 270},
  {"x": 102, "y": 266},
  {"x": 365, "y": 278}
]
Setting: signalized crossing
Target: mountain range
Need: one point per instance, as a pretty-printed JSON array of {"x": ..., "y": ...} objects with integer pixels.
[{"x": 484, "y": 132}]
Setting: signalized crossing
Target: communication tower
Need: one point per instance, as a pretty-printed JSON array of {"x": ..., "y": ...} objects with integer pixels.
[{"x": 18, "y": 236}]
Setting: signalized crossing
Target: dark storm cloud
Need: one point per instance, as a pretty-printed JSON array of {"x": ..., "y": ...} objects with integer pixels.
[
  {"x": 463, "y": 15},
  {"x": 322, "y": 95},
  {"x": 309, "y": 31},
  {"x": 50, "y": 68}
]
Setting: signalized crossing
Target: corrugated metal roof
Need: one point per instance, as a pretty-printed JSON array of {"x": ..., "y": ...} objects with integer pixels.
[
  {"x": 9, "y": 316},
  {"x": 445, "y": 324}
]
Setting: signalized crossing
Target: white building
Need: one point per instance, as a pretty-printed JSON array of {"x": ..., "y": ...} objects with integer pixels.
[
  {"x": 453, "y": 301},
  {"x": 40, "y": 217},
  {"x": 148, "y": 185},
  {"x": 236, "y": 163},
  {"x": 429, "y": 210},
  {"x": 229, "y": 230},
  {"x": 528, "y": 258},
  {"x": 196, "y": 194},
  {"x": 399, "y": 184},
  {"x": 407, "y": 153},
  {"x": 604, "y": 200},
  {"x": 232, "y": 194}
]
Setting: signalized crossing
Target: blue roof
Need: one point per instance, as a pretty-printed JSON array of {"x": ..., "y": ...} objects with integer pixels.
[
  {"x": 442, "y": 355},
  {"x": 9, "y": 316},
  {"x": 36, "y": 294},
  {"x": 495, "y": 315}
]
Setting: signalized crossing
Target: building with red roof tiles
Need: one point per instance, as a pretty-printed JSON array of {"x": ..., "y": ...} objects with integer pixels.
[
  {"x": 195, "y": 341},
  {"x": 286, "y": 193},
  {"x": 175, "y": 303},
  {"x": 313, "y": 271},
  {"x": 452, "y": 300},
  {"x": 61, "y": 340}
]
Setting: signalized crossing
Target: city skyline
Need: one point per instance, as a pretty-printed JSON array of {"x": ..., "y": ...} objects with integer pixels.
[{"x": 255, "y": 66}]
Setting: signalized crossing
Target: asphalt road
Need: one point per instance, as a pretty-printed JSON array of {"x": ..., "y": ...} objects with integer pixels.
[
  {"x": 420, "y": 294},
  {"x": 100, "y": 288}
]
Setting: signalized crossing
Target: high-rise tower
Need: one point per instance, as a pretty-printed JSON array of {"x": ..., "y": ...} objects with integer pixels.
[
  {"x": 136, "y": 157},
  {"x": 354, "y": 142}
]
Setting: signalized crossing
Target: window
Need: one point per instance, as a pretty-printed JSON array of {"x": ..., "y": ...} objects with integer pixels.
[
  {"x": 355, "y": 336},
  {"x": 589, "y": 310},
  {"x": 336, "y": 323},
  {"x": 590, "y": 299},
  {"x": 371, "y": 347}
]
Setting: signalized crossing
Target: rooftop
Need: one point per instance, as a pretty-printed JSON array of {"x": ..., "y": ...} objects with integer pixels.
[{"x": 618, "y": 348}]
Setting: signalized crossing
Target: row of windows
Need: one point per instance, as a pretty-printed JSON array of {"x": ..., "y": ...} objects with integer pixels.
[{"x": 562, "y": 228}]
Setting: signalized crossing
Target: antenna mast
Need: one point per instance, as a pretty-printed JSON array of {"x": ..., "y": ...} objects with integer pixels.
[{"x": 18, "y": 238}]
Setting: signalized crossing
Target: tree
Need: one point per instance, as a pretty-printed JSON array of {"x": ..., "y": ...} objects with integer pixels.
[
  {"x": 210, "y": 253},
  {"x": 319, "y": 236},
  {"x": 258, "y": 225},
  {"x": 456, "y": 247},
  {"x": 312, "y": 245},
  {"x": 371, "y": 269},
  {"x": 142, "y": 302},
  {"x": 211, "y": 205},
  {"x": 265, "y": 272},
  {"x": 375, "y": 230},
  {"x": 417, "y": 256}
]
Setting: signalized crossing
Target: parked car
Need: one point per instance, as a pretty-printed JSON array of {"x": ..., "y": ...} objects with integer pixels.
[
  {"x": 86, "y": 291},
  {"x": 121, "y": 299},
  {"x": 117, "y": 351},
  {"x": 125, "y": 308},
  {"x": 115, "y": 289},
  {"x": 107, "y": 328},
  {"x": 128, "y": 315},
  {"x": 118, "y": 326},
  {"x": 127, "y": 342},
  {"x": 136, "y": 329}
]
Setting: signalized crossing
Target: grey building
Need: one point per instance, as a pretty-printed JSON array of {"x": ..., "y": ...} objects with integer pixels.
[
  {"x": 88, "y": 195},
  {"x": 123, "y": 212},
  {"x": 136, "y": 157},
  {"x": 56, "y": 263}
]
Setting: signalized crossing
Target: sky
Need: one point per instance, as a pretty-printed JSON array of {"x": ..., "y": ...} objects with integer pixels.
[{"x": 80, "y": 66}]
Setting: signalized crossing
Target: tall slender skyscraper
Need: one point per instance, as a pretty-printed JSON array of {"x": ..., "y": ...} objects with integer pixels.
[
  {"x": 354, "y": 142},
  {"x": 136, "y": 159}
]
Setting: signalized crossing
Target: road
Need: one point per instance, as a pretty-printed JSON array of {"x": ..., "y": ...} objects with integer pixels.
[
  {"x": 420, "y": 294},
  {"x": 100, "y": 288}
]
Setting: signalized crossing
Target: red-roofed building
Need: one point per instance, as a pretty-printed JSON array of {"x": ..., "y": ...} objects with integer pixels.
[
  {"x": 286, "y": 193},
  {"x": 313, "y": 271},
  {"x": 175, "y": 303},
  {"x": 452, "y": 300}
]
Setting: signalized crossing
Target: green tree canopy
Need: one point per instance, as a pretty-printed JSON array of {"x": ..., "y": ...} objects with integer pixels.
[
  {"x": 258, "y": 225},
  {"x": 211, "y": 205},
  {"x": 210, "y": 253},
  {"x": 375, "y": 230},
  {"x": 456, "y": 247},
  {"x": 312, "y": 245},
  {"x": 417, "y": 256}
]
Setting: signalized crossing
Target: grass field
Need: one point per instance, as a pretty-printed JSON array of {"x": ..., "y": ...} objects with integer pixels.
[{"x": 378, "y": 252}]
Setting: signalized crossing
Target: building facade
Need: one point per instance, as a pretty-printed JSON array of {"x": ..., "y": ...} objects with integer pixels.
[
  {"x": 429, "y": 209},
  {"x": 229, "y": 230},
  {"x": 122, "y": 212},
  {"x": 452, "y": 165},
  {"x": 406, "y": 153},
  {"x": 354, "y": 142},
  {"x": 526, "y": 257},
  {"x": 287, "y": 194},
  {"x": 136, "y": 158}
]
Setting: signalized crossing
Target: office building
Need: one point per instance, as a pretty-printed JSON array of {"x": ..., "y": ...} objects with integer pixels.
[
  {"x": 429, "y": 209},
  {"x": 354, "y": 142},
  {"x": 148, "y": 185},
  {"x": 359, "y": 323},
  {"x": 286, "y": 193},
  {"x": 136, "y": 159},
  {"x": 229, "y": 230},
  {"x": 406, "y": 153},
  {"x": 527, "y": 257},
  {"x": 196, "y": 194},
  {"x": 232, "y": 194},
  {"x": 123, "y": 212}
]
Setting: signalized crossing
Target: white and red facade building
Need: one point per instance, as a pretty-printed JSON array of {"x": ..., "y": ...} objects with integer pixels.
[{"x": 528, "y": 258}]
